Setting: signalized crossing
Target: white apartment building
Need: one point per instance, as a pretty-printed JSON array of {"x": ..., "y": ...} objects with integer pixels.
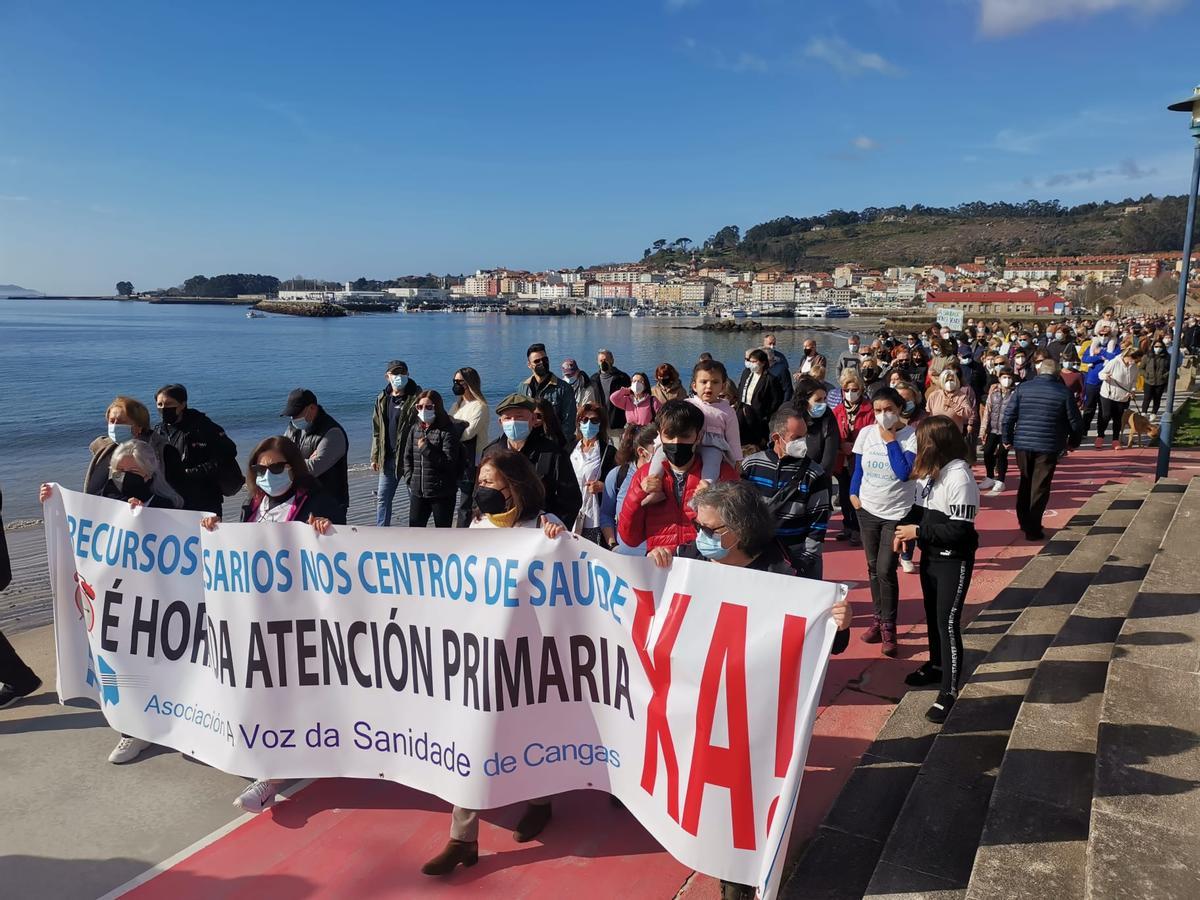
[{"x": 553, "y": 291}]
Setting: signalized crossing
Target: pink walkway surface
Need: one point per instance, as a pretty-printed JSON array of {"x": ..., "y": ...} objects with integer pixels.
[{"x": 345, "y": 838}]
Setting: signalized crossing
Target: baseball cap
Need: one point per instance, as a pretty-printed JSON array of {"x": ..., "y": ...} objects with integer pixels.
[
  {"x": 297, "y": 400},
  {"x": 397, "y": 364},
  {"x": 515, "y": 401},
  {"x": 570, "y": 367}
]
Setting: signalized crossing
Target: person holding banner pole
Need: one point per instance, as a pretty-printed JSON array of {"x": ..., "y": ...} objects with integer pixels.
[
  {"x": 281, "y": 489},
  {"x": 509, "y": 494}
]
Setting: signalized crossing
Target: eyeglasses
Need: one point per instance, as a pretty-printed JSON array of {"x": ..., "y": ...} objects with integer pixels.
[
  {"x": 591, "y": 419},
  {"x": 273, "y": 468},
  {"x": 710, "y": 532},
  {"x": 540, "y": 359}
]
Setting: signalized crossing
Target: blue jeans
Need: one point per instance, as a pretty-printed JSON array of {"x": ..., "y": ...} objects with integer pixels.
[{"x": 387, "y": 493}]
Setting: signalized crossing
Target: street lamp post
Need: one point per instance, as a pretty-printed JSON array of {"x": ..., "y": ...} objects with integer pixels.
[{"x": 1166, "y": 431}]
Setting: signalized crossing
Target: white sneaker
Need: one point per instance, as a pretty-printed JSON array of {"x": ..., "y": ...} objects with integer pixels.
[
  {"x": 997, "y": 488},
  {"x": 907, "y": 565},
  {"x": 127, "y": 750},
  {"x": 258, "y": 796},
  {"x": 986, "y": 483}
]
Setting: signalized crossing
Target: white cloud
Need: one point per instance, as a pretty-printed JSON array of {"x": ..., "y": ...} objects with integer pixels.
[
  {"x": 1002, "y": 18},
  {"x": 864, "y": 143},
  {"x": 848, "y": 60}
]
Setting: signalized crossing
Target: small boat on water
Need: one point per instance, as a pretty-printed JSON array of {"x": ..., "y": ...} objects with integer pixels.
[
  {"x": 836, "y": 312},
  {"x": 615, "y": 313},
  {"x": 636, "y": 313},
  {"x": 733, "y": 314},
  {"x": 255, "y": 314}
]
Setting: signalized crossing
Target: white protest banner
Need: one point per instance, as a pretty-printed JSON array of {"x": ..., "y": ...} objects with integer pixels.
[
  {"x": 950, "y": 318},
  {"x": 485, "y": 667}
]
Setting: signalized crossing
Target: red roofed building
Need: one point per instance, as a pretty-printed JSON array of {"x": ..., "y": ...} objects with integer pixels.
[{"x": 998, "y": 302}]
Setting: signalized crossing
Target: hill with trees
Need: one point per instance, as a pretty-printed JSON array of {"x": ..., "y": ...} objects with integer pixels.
[{"x": 910, "y": 235}]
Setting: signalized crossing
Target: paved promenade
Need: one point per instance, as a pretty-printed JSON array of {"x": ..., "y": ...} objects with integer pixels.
[{"x": 78, "y": 827}]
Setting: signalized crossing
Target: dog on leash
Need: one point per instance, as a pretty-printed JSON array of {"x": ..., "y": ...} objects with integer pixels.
[{"x": 1140, "y": 426}]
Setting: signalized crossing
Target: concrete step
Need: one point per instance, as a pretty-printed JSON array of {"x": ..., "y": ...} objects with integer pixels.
[
  {"x": 1034, "y": 839},
  {"x": 1145, "y": 810},
  {"x": 838, "y": 862}
]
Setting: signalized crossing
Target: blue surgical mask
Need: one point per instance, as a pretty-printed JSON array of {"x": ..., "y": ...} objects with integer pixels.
[
  {"x": 398, "y": 381},
  {"x": 300, "y": 424},
  {"x": 710, "y": 547},
  {"x": 818, "y": 409},
  {"x": 119, "y": 433},
  {"x": 515, "y": 429},
  {"x": 589, "y": 430},
  {"x": 273, "y": 485}
]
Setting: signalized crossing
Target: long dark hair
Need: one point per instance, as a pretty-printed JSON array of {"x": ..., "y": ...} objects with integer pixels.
[
  {"x": 441, "y": 419},
  {"x": 634, "y": 438},
  {"x": 528, "y": 494},
  {"x": 939, "y": 441},
  {"x": 551, "y": 426},
  {"x": 302, "y": 479}
]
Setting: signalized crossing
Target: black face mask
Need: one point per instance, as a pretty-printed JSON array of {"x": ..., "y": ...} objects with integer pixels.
[
  {"x": 541, "y": 368},
  {"x": 808, "y": 351},
  {"x": 490, "y": 501},
  {"x": 605, "y": 366},
  {"x": 131, "y": 484},
  {"x": 679, "y": 455},
  {"x": 458, "y": 389},
  {"x": 170, "y": 415}
]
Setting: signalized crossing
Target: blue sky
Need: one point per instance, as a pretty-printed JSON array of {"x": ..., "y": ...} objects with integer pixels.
[{"x": 153, "y": 141}]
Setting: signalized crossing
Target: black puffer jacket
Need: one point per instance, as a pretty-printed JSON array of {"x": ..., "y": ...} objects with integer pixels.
[
  {"x": 432, "y": 469},
  {"x": 202, "y": 445}
]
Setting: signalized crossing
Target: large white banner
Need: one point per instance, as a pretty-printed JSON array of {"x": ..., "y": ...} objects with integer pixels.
[{"x": 485, "y": 666}]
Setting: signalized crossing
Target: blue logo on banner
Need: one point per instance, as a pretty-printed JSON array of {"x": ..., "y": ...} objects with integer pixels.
[{"x": 106, "y": 681}]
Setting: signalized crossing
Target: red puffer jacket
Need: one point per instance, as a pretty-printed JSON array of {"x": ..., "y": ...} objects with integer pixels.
[
  {"x": 848, "y": 430},
  {"x": 663, "y": 524}
]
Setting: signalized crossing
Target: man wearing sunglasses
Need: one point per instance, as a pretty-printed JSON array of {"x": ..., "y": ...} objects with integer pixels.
[{"x": 543, "y": 385}]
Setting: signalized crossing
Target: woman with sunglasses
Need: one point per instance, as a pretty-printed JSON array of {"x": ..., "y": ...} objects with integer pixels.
[
  {"x": 509, "y": 495},
  {"x": 593, "y": 458},
  {"x": 471, "y": 411},
  {"x": 280, "y": 489},
  {"x": 433, "y": 462}
]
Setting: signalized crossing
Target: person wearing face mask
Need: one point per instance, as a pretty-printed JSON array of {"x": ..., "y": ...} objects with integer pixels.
[
  {"x": 667, "y": 385},
  {"x": 510, "y": 494},
  {"x": 873, "y": 375},
  {"x": 578, "y": 382},
  {"x": 1069, "y": 373},
  {"x": 605, "y": 382},
  {"x": 279, "y": 488},
  {"x": 796, "y": 489},
  {"x": 1100, "y": 350},
  {"x": 913, "y": 410},
  {"x": 545, "y": 421},
  {"x": 1156, "y": 367},
  {"x": 851, "y": 359},
  {"x": 324, "y": 446},
  {"x": 433, "y": 463},
  {"x": 951, "y": 397},
  {"x": 811, "y": 359},
  {"x": 543, "y": 385},
  {"x": 549, "y": 459},
  {"x": 971, "y": 370},
  {"x": 882, "y": 493},
  {"x": 758, "y": 390},
  {"x": 471, "y": 412},
  {"x": 129, "y": 420},
  {"x": 592, "y": 458},
  {"x": 132, "y": 475},
  {"x": 636, "y": 402},
  {"x": 1118, "y": 386},
  {"x": 852, "y": 415},
  {"x": 668, "y": 522},
  {"x": 811, "y": 401},
  {"x": 1059, "y": 343},
  {"x": 777, "y": 366},
  {"x": 635, "y": 450},
  {"x": 944, "y": 353},
  {"x": 918, "y": 357},
  {"x": 208, "y": 458},
  {"x": 995, "y": 454},
  {"x": 390, "y": 424},
  {"x": 1040, "y": 421}
]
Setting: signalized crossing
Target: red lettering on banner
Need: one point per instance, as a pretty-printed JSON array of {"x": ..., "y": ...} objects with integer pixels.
[
  {"x": 658, "y": 673},
  {"x": 727, "y": 767},
  {"x": 791, "y": 655}
]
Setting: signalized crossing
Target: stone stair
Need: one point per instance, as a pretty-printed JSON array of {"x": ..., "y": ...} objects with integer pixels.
[{"x": 842, "y": 857}]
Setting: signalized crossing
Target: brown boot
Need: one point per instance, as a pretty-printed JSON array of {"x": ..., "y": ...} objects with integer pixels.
[
  {"x": 533, "y": 820},
  {"x": 872, "y": 634},
  {"x": 887, "y": 633},
  {"x": 455, "y": 852}
]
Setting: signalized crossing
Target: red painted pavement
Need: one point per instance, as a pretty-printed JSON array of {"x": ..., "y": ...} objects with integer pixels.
[{"x": 346, "y": 838}]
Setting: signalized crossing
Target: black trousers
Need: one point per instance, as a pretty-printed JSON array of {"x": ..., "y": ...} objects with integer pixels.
[
  {"x": 466, "y": 503},
  {"x": 882, "y": 562},
  {"x": 1152, "y": 395},
  {"x": 995, "y": 457},
  {"x": 849, "y": 513},
  {"x": 13, "y": 671},
  {"x": 1111, "y": 411},
  {"x": 420, "y": 508},
  {"x": 1091, "y": 398},
  {"x": 944, "y": 585},
  {"x": 1033, "y": 492}
]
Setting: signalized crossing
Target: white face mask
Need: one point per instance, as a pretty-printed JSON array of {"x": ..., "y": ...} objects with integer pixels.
[
  {"x": 888, "y": 420},
  {"x": 638, "y": 387},
  {"x": 797, "y": 449},
  {"x": 853, "y": 396},
  {"x": 1006, "y": 382}
]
